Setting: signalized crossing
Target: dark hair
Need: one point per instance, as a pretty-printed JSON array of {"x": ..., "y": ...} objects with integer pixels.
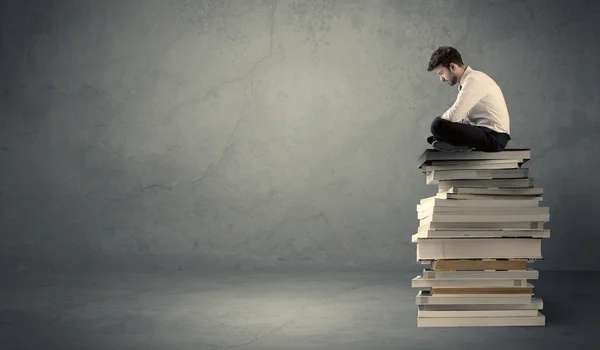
[{"x": 443, "y": 56}]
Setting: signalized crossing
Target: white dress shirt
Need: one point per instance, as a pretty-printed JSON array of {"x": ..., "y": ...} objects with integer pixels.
[{"x": 479, "y": 102}]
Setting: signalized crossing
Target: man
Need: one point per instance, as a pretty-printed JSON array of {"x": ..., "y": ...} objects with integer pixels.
[{"x": 478, "y": 119}]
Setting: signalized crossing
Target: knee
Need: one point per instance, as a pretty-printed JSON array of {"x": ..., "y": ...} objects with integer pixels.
[{"x": 437, "y": 125}]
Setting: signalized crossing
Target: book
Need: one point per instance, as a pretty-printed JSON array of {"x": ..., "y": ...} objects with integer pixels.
[
  {"x": 479, "y": 232},
  {"x": 518, "y": 155},
  {"x": 479, "y": 248},
  {"x": 483, "y": 321}
]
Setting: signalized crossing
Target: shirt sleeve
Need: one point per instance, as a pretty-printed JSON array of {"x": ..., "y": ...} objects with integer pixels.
[{"x": 471, "y": 93}]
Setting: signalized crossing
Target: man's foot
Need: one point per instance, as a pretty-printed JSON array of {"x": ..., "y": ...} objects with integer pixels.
[{"x": 448, "y": 147}]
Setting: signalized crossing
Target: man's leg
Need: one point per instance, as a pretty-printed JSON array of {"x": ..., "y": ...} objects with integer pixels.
[
  {"x": 460, "y": 134},
  {"x": 435, "y": 136},
  {"x": 501, "y": 140}
]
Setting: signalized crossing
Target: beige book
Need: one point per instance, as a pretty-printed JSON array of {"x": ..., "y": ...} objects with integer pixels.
[
  {"x": 480, "y": 265},
  {"x": 482, "y": 290}
]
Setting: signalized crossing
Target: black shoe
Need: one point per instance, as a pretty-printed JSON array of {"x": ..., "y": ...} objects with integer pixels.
[
  {"x": 448, "y": 147},
  {"x": 430, "y": 140}
]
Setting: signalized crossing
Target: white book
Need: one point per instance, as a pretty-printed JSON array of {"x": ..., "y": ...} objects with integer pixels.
[
  {"x": 476, "y": 313},
  {"x": 530, "y": 191},
  {"x": 445, "y": 185},
  {"x": 538, "y": 320},
  {"x": 471, "y": 197},
  {"x": 529, "y": 274},
  {"x": 499, "y": 164},
  {"x": 430, "y": 155},
  {"x": 436, "y": 201},
  {"x": 542, "y": 215},
  {"x": 424, "y": 282},
  {"x": 427, "y": 224},
  {"x": 497, "y": 233},
  {"x": 479, "y": 248},
  {"x": 463, "y": 162},
  {"x": 425, "y": 298},
  {"x": 488, "y": 212},
  {"x": 434, "y": 176},
  {"x": 534, "y": 304}
]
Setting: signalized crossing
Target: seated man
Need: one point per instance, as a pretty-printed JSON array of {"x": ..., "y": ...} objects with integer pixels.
[{"x": 479, "y": 119}]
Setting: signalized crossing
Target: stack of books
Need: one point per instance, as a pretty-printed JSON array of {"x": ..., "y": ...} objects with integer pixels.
[{"x": 478, "y": 234}]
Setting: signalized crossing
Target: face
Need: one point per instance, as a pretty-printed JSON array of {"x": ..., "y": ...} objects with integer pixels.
[{"x": 448, "y": 75}]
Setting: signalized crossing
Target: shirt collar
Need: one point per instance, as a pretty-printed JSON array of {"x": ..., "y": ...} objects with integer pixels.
[{"x": 464, "y": 76}]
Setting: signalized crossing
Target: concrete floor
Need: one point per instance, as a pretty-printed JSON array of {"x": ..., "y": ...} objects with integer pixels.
[{"x": 261, "y": 310}]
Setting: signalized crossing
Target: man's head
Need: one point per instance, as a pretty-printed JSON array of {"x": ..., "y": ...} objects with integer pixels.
[{"x": 447, "y": 63}]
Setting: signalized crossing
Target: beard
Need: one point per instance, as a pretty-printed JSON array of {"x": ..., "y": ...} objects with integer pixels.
[{"x": 453, "y": 80}]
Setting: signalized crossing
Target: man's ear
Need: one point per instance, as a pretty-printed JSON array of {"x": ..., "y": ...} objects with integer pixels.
[{"x": 453, "y": 67}]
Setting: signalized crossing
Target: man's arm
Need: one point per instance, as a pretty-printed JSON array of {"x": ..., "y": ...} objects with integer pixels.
[{"x": 469, "y": 95}]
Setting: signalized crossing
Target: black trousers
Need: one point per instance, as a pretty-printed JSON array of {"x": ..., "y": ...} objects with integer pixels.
[{"x": 478, "y": 137}]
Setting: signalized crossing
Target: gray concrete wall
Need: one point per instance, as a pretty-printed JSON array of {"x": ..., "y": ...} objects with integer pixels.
[{"x": 273, "y": 132}]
